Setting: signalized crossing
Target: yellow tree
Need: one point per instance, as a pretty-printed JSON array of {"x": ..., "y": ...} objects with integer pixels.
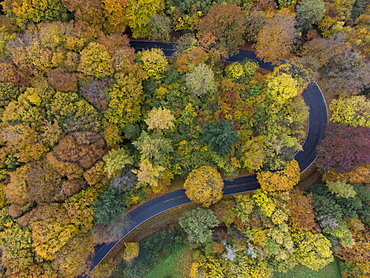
[
  {"x": 160, "y": 118},
  {"x": 138, "y": 14},
  {"x": 204, "y": 185},
  {"x": 283, "y": 180},
  {"x": 131, "y": 251},
  {"x": 115, "y": 13},
  {"x": 154, "y": 62},
  {"x": 96, "y": 61}
]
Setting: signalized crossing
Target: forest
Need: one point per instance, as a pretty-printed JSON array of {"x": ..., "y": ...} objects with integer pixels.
[{"x": 90, "y": 129}]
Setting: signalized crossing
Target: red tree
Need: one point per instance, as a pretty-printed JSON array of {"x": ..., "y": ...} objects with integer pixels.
[{"x": 344, "y": 147}]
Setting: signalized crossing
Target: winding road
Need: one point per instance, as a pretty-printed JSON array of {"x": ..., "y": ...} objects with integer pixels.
[{"x": 313, "y": 98}]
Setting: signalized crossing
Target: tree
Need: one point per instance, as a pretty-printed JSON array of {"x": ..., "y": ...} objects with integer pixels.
[
  {"x": 225, "y": 23},
  {"x": 131, "y": 251},
  {"x": 154, "y": 62},
  {"x": 160, "y": 119},
  {"x": 200, "y": 80},
  {"x": 204, "y": 185},
  {"x": 138, "y": 14},
  {"x": 15, "y": 243},
  {"x": 301, "y": 214},
  {"x": 23, "y": 11},
  {"x": 116, "y": 15},
  {"x": 253, "y": 153},
  {"x": 154, "y": 147},
  {"x": 344, "y": 147},
  {"x": 73, "y": 259},
  {"x": 341, "y": 189},
  {"x": 116, "y": 161},
  {"x": 197, "y": 224},
  {"x": 51, "y": 229},
  {"x": 96, "y": 61},
  {"x": 125, "y": 98},
  {"x": 279, "y": 88},
  {"x": 313, "y": 250},
  {"x": 108, "y": 205},
  {"x": 62, "y": 81},
  {"x": 275, "y": 40},
  {"x": 354, "y": 111},
  {"x": 160, "y": 28},
  {"x": 90, "y": 12},
  {"x": 84, "y": 148},
  {"x": 283, "y": 180},
  {"x": 220, "y": 136},
  {"x": 309, "y": 12}
]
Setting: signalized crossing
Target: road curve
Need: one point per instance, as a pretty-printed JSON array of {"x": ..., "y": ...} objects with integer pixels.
[{"x": 313, "y": 98}]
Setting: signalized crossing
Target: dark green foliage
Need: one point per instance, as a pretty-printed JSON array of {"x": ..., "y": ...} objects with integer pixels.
[
  {"x": 349, "y": 206},
  {"x": 197, "y": 224},
  {"x": 309, "y": 12},
  {"x": 131, "y": 131},
  {"x": 220, "y": 136},
  {"x": 108, "y": 205},
  {"x": 358, "y": 8},
  {"x": 325, "y": 206},
  {"x": 363, "y": 194}
]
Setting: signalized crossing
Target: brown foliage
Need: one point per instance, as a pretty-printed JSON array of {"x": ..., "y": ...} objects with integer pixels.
[
  {"x": 114, "y": 42},
  {"x": 301, "y": 215},
  {"x": 71, "y": 187},
  {"x": 84, "y": 148},
  {"x": 225, "y": 24},
  {"x": 62, "y": 81},
  {"x": 96, "y": 92},
  {"x": 186, "y": 61}
]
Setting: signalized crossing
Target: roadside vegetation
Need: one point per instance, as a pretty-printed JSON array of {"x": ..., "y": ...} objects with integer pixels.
[{"x": 89, "y": 129}]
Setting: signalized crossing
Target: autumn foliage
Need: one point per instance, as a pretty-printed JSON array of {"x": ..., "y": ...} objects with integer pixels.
[{"x": 204, "y": 185}]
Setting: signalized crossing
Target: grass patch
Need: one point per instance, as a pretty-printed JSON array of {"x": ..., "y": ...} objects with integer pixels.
[
  {"x": 174, "y": 266},
  {"x": 300, "y": 271}
]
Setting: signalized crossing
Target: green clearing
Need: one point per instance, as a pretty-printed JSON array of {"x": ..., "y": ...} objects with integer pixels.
[
  {"x": 300, "y": 271},
  {"x": 173, "y": 266}
]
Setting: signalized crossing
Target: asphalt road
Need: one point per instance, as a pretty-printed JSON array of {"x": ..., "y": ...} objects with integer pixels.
[{"x": 317, "y": 122}]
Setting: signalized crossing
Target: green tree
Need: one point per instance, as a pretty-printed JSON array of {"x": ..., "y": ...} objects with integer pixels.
[
  {"x": 220, "y": 135},
  {"x": 138, "y": 14},
  {"x": 108, "y": 205},
  {"x": 116, "y": 161},
  {"x": 154, "y": 147},
  {"x": 200, "y": 80},
  {"x": 125, "y": 98},
  {"x": 160, "y": 28},
  {"x": 204, "y": 186},
  {"x": 341, "y": 189},
  {"x": 197, "y": 224},
  {"x": 15, "y": 243},
  {"x": 310, "y": 12}
]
